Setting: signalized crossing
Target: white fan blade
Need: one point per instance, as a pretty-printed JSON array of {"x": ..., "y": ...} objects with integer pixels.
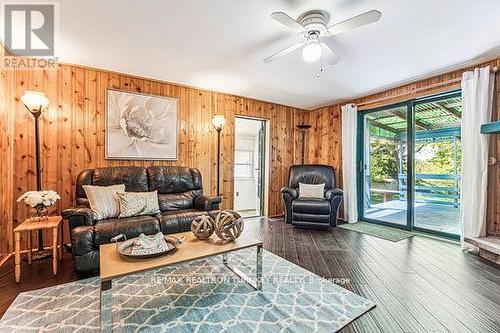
[
  {"x": 283, "y": 52},
  {"x": 287, "y": 21},
  {"x": 355, "y": 22},
  {"x": 328, "y": 53}
]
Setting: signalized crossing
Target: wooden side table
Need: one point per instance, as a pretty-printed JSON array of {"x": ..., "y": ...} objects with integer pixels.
[{"x": 29, "y": 225}]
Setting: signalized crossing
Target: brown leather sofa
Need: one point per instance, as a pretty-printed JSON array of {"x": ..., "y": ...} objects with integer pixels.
[{"x": 180, "y": 197}]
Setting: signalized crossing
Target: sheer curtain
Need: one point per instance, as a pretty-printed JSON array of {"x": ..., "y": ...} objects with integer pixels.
[
  {"x": 349, "y": 163},
  {"x": 477, "y": 96}
]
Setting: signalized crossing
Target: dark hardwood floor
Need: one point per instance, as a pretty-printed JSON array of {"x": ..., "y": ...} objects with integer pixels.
[{"x": 420, "y": 284}]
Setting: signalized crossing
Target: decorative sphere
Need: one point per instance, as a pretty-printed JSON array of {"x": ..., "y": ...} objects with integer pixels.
[
  {"x": 227, "y": 226},
  {"x": 203, "y": 227}
]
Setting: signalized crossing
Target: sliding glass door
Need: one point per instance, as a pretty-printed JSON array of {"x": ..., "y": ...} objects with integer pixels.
[
  {"x": 437, "y": 164},
  {"x": 410, "y": 164},
  {"x": 386, "y": 165}
]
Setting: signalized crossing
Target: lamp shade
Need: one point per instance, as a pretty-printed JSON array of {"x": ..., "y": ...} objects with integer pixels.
[
  {"x": 34, "y": 101},
  {"x": 312, "y": 51},
  {"x": 218, "y": 121}
]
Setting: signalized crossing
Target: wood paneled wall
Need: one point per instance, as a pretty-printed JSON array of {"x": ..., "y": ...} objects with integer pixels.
[
  {"x": 493, "y": 210},
  {"x": 73, "y": 134},
  {"x": 324, "y": 139},
  {"x": 6, "y": 161}
]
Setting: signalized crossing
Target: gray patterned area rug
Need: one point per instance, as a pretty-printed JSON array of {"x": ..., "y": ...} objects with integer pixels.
[{"x": 200, "y": 296}]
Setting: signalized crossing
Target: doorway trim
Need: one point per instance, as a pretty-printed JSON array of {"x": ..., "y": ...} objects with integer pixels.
[{"x": 265, "y": 162}]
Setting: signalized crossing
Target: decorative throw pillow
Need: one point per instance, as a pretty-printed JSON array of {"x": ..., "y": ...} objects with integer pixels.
[
  {"x": 103, "y": 200},
  {"x": 316, "y": 191},
  {"x": 138, "y": 203}
]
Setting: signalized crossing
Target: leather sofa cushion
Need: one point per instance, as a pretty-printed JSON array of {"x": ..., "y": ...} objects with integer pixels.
[
  {"x": 312, "y": 174},
  {"x": 131, "y": 227},
  {"x": 311, "y": 206},
  {"x": 180, "y": 221},
  {"x": 302, "y": 217},
  {"x": 176, "y": 201},
  {"x": 310, "y": 224},
  {"x": 82, "y": 239},
  {"x": 83, "y": 178},
  {"x": 87, "y": 263},
  {"x": 135, "y": 178},
  {"x": 164, "y": 179},
  {"x": 173, "y": 179}
]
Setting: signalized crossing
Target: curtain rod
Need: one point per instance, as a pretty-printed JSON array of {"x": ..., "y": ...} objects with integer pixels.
[{"x": 417, "y": 90}]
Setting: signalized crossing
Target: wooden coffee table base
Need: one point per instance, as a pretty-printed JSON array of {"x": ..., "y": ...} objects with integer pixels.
[{"x": 113, "y": 266}]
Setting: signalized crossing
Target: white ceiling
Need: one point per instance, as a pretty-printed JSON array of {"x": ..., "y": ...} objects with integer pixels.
[{"x": 220, "y": 44}]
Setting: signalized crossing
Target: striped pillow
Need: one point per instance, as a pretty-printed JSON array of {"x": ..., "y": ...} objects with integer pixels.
[{"x": 103, "y": 200}]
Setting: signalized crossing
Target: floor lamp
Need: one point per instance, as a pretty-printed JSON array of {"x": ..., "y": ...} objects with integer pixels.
[
  {"x": 35, "y": 102},
  {"x": 303, "y": 128},
  {"x": 218, "y": 121}
]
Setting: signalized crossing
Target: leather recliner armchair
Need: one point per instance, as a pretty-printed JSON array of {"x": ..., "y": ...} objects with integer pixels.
[
  {"x": 310, "y": 212},
  {"x": 180, "y": 198}
]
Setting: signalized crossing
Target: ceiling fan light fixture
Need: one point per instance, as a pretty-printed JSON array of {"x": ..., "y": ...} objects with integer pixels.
[
  {"x": 315, "y": 34},
  {"x": 312, "y": 51}
]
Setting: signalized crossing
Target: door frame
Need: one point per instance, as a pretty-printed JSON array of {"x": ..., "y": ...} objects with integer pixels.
[
  {"x": 410, "y": 130},
  {"x": 360, "y": 148},
  {"x": 264, "y": 209}
]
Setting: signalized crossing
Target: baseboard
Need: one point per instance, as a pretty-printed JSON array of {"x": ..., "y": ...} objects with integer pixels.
[
  {"x": 11, "y": 255},
  {"x": 5, "y": 259}
]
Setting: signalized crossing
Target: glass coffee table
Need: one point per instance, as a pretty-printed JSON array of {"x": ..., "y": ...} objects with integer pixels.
[{"x": 113, "y": 266}]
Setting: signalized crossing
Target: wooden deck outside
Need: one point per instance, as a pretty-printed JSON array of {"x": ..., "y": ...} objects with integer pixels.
[{"x": 437, "y": 217}]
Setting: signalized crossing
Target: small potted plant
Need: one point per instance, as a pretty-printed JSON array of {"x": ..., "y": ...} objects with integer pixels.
[{"x": 40, "y": 201}]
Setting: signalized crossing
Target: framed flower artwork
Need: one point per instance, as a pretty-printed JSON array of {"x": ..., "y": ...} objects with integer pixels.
[{"x": 140, "y": 126}]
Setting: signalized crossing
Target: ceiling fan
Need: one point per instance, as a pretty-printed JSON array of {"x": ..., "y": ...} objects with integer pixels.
[{"x": 316, "y": 35}]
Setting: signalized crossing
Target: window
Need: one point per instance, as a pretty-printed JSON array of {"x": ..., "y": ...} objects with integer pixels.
[{"x": 243, "y": 164}]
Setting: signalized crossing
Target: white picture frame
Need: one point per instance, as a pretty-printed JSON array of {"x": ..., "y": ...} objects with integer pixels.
[{"x": 141, "y": 126}]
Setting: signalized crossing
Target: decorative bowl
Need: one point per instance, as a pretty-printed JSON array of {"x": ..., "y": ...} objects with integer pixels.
[{"x": 125, "y": 248}]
